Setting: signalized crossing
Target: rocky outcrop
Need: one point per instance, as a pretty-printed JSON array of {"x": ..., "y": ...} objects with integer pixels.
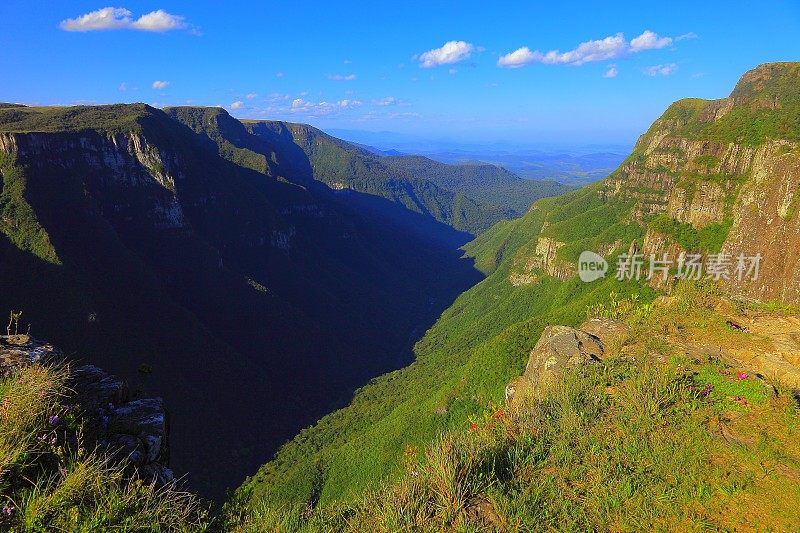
[
  {"x": 133, "y": 431},
  {"x": 120, "y": 160},
  {"x": 779, "y": 359},
  {"x": 699, "y": 168},
  {"x": 544, "y": 259},
  {"x": 562, "y": 347}
]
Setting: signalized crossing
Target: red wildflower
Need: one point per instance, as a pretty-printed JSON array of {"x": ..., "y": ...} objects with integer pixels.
[
  {"x": 741, "y": 375},
  {"x": 473, "y": 426}
]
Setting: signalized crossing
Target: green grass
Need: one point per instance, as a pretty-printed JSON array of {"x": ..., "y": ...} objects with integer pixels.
[
  {"x": 707, "y": 239},
  {"x": 117, "y": 118},
  {"x": 628, "y": 444},
  {"x": 18, "y": 220},
  {"x": 50, "y": 480}
]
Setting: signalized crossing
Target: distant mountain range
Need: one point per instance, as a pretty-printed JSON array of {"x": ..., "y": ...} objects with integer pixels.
[{"x": 571, "y": 165}]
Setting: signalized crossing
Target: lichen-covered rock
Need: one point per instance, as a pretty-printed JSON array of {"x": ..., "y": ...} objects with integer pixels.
[
  {"x": 559, "y": 348},
  {"x": 23, "y": 350},
  {"x": 134, "y": 431},
  {"x": 609, "y": 331}
]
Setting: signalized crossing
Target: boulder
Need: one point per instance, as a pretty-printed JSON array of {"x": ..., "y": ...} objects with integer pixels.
[
  {"x": 145, "y": 419},
  {"x": 610, "y": 331},
  {"x": 559, "y": 348}
]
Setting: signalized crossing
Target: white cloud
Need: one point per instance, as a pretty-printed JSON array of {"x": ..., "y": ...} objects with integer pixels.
[
  {"x": 119, "y": 18},
  {"x": 159, "y": 20},
  {"x": 342, "y": 77},
  {"x": 686, "y": 36},
  {"x": 452, "y": 71},
  {"x": 611, "y": 72},
  {"x": 279, "y": 74},
  {"x": 661, "y": 70},
  {"x": 346, "y": 61},
  {"x": 237, "y": 105},
  {"x": 599, "y": 50},
  {"x": 451, "y": 52},
  {"x": 123, "y": 86},
  {"x": 298, "y": 104},
  {"x": 158, "y": 85},
  {"x": 649, "y": 41},
  {"x": 519, "y": 58},
  {"x": 611, "y": 47},
  {"x": 250, "y": 96},
  {"x": 108, "y": 18}
]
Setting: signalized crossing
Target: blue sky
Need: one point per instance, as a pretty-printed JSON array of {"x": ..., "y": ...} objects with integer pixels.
[{"x": 512, "y": 70}]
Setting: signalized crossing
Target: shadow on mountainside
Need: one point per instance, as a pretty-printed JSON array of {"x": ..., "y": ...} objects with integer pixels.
[{"x": 246, "y": 342}]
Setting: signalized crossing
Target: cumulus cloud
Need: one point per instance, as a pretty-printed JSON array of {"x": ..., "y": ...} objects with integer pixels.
[
  {"x": 237, "y": 105},
  {"x": 342, "y": 77},
  {"x": 519, "y": 58},
  {"x": 649, "y": 41},
  {"x": 451, "y": 52},
  {"x": 611, "y": 72},
  {"x": 661, "y": 70},
  {"x": 611, "y": 47},
  {"x": 158, "y": 85},
  {"x": 119, "y": 18},
  {"x": 598, "y": 50}
]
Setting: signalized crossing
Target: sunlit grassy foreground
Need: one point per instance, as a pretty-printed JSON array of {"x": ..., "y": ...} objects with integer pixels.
[
  {"x": 51, "y": 481},
  {"x": 659, "y": 435}
]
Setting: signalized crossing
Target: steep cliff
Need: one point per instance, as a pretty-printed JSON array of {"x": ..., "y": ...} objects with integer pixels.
[
  {"x": 708, "y": 177},
  {"x": 198, "y": 272},
  {"x": 724, "y": 176}
]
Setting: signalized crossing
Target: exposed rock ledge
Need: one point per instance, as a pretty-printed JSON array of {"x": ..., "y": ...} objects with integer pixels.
[
  {"x": 134, "y": 431},
  {"x": 776, "y": 355},
  {"x": 561, "y": 347}
]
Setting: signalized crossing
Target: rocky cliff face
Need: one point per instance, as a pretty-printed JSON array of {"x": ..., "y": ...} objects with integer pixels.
[
  {"x": 132, "y": 430},
  {"x": 711, "y": 177},
  {"x": 124, "y": 160}
]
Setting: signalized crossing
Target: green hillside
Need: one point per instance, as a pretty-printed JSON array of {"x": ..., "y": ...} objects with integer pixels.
[
  {"x": 492, "y": 185},
  {"x": 483, "y": 340},
  {"x": 462, "y": 364},
  {"x": 659, "y": 434},
  {"x": 470, "y": 198}
]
